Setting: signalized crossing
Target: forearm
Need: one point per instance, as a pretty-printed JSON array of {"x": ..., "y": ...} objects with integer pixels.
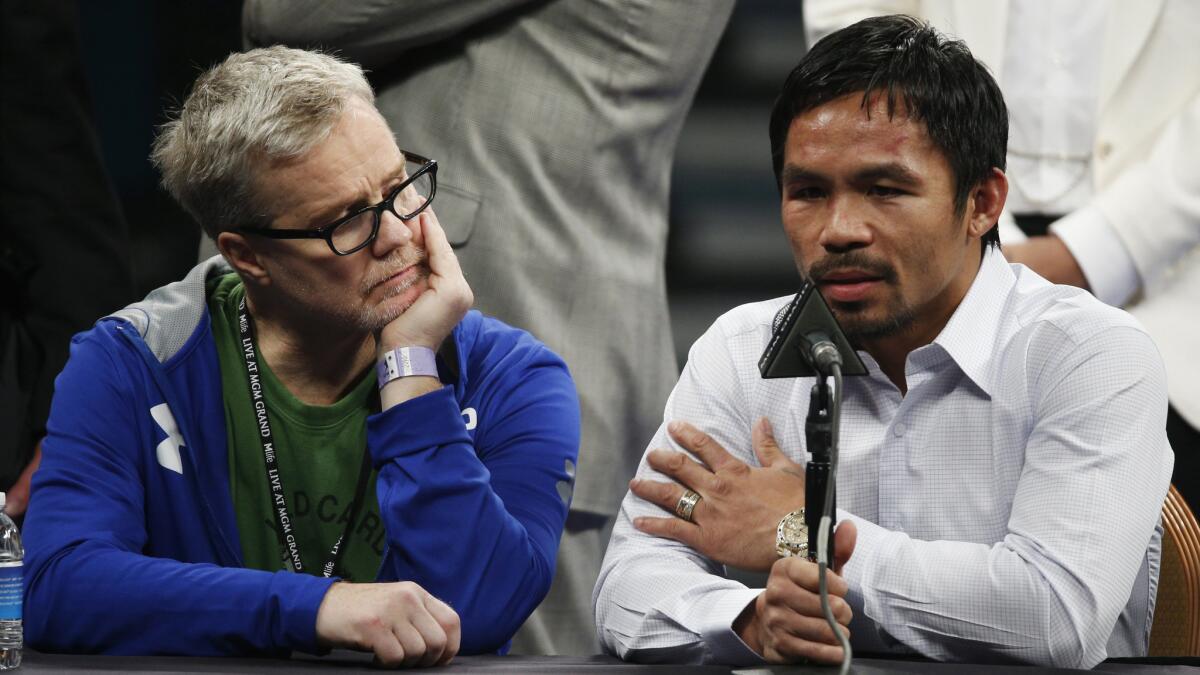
[
  {"x": 1154, "y": 205},
  {"x": 1099, "y": 254},
  {"x": 1048, "y": 585},
  {"x": 657, "y": 599},
  {"x": 451, "y": 527},
  {"x": 373, "y": 34},
  {"x": 94, "y": 598},
  {"x": 962, "y": 601}
]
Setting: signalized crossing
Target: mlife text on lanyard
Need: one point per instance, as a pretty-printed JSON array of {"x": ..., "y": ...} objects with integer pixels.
[{"x": 284, "y": 524}]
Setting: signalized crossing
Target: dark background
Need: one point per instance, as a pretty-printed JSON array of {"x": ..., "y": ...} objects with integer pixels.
[{"x": 140, "y": 58}]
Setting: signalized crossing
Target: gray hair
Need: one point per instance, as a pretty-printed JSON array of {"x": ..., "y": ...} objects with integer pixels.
[{"x": 257, "y": 107}]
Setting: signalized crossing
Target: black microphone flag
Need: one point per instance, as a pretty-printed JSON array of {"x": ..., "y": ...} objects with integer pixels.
[{"x": 800, "y": 339}]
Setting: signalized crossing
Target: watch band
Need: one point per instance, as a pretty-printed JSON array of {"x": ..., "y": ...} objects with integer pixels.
[{"x": 405, "y": 362}]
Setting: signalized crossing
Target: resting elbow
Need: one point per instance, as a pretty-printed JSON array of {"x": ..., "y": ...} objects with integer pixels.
[
  {"x": 1078, "y": 640},
  {"x": 1079, "y": 646},
  {"x": 1065, "y": 649},
  {"x": 489, "y": 622}
]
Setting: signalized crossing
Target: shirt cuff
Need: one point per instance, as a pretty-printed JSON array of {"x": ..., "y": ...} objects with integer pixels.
[
  {"x": 872, "y": 545},
  {"x": 1105, "y": 262},
  {"x": 295, "y": 601},
  {"x": 725, "y": 645},
  {"x": 870, "y": 539}
]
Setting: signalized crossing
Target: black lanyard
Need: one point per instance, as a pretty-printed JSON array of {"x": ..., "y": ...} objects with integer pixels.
[{"x": 284, "y": 524}]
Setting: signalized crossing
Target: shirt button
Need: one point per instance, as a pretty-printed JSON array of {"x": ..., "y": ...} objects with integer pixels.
[
  {"x": 898, "y": 429},
  {"x": 1104, "y": 150}
]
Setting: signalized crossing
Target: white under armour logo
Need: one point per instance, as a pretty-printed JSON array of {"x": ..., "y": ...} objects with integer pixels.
[
  {"x": 168, "y": 450},
  {"x": 472, "y": 418}
]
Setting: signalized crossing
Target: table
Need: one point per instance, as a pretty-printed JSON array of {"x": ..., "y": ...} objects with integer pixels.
[{"x": 351, "y": 662}]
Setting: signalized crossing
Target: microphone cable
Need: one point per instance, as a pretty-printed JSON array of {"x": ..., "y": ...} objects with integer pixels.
[{"x": 823, "y": 535}]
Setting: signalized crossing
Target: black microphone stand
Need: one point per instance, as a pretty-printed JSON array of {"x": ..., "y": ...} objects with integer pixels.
[
  {"x": 818, "y": 433},
  {"x": 820, "y": 483}
]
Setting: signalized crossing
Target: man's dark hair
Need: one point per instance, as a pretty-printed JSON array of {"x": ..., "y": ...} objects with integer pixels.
[{"x": 937, "y": 79}]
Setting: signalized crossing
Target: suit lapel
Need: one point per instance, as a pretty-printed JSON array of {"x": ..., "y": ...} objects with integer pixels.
[{"x": 1129, "y": 25}]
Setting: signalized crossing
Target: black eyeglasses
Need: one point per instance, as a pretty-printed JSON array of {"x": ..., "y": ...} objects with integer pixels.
[{"x": 357, "y": 230}]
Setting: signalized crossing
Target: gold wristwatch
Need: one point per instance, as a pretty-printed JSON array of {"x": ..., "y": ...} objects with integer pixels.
[{"x": 791, "y": 537}]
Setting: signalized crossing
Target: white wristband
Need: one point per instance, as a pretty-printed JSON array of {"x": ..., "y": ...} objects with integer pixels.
[{"x": 406, "y": 362}]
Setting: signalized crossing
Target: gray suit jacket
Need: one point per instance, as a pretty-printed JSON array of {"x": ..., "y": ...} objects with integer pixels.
[{"x": 555, "y": 126}]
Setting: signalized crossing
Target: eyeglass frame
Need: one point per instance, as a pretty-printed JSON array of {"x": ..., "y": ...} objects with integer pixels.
[{"x": 428, "y": 166}]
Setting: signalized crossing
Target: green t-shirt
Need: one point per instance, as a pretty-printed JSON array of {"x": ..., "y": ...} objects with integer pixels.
[{"x": 319, "y": 450}]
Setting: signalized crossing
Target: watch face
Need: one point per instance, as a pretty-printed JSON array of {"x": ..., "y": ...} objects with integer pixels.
[{"x": 794, "y": 531}]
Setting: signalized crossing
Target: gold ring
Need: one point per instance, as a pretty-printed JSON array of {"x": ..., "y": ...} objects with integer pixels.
[{"x": 687, "y": 504}]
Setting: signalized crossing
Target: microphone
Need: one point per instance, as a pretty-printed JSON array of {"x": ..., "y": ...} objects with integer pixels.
[
  {"x": 806, "y": 340},
  {"x": 823, "y": 354}
]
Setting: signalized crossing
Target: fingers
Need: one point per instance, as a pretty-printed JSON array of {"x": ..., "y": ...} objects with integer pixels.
[
  {"x": 809, "y": 628},
  {"x": 448, "y": 619},
  {"x": 765, "y": 447},
  {"x": 422, "y": 631},
  {"x": 664, "y": 495},
  {"x": 804, "y": 602},
  {"x": 442, "y": 260},
  {"x": 804, "y": 574},
  {"x": 443, "y": 263},
  {"x": 401, "y": 623},
  {"x": 412, "y": 645},
  {"x": 708, "y": 450},
  {"x": 381, "y": 640},
  {"x": 793, "y": 623},
  {"x": 680, "y": 467},
  {"x": 791, "y": 649},
  {"x": 442, "y": 304},
  {"x": 427, "y": 636},
  {"x": 844, "y": 539},
  {"x": 669, "y": 528}
]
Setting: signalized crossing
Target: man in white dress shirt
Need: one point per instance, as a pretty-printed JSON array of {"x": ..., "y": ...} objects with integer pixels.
[
  {"x": 1003, "y": 463},
  {"x": 1104, "y": 121}
]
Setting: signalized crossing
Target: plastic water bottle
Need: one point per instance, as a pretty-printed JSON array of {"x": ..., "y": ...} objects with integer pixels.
[{"x": 12, "y": 556}]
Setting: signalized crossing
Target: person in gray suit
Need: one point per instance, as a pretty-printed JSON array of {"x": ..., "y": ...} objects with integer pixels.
[{"x": 556, "y": 124}]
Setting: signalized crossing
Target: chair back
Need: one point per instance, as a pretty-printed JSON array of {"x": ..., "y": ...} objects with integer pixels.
[{"x": 1176, "y": 628}]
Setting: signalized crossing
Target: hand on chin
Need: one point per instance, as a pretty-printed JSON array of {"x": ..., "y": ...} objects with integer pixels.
[{"x": 444, "y": 298}]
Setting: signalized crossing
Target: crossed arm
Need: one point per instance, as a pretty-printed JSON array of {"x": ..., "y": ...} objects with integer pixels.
[{"x": 1038, "y": 595}]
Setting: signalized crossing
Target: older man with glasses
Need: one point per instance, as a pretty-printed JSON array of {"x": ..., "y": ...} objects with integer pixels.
[{"x": 309, "y": 441}]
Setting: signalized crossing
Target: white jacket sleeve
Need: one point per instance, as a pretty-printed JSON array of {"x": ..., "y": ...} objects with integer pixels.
[{"x": 1154, "y": 205}]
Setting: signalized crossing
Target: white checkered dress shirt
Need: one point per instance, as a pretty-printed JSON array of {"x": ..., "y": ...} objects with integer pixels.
[{"x": 1007, "y": 506}]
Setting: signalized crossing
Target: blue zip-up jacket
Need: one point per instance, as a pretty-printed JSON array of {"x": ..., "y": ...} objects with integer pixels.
[{"x": 131, "y": 541}]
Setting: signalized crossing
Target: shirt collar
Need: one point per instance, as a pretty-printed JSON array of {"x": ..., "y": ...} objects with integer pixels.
[{"x": 971, "y": 334}]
